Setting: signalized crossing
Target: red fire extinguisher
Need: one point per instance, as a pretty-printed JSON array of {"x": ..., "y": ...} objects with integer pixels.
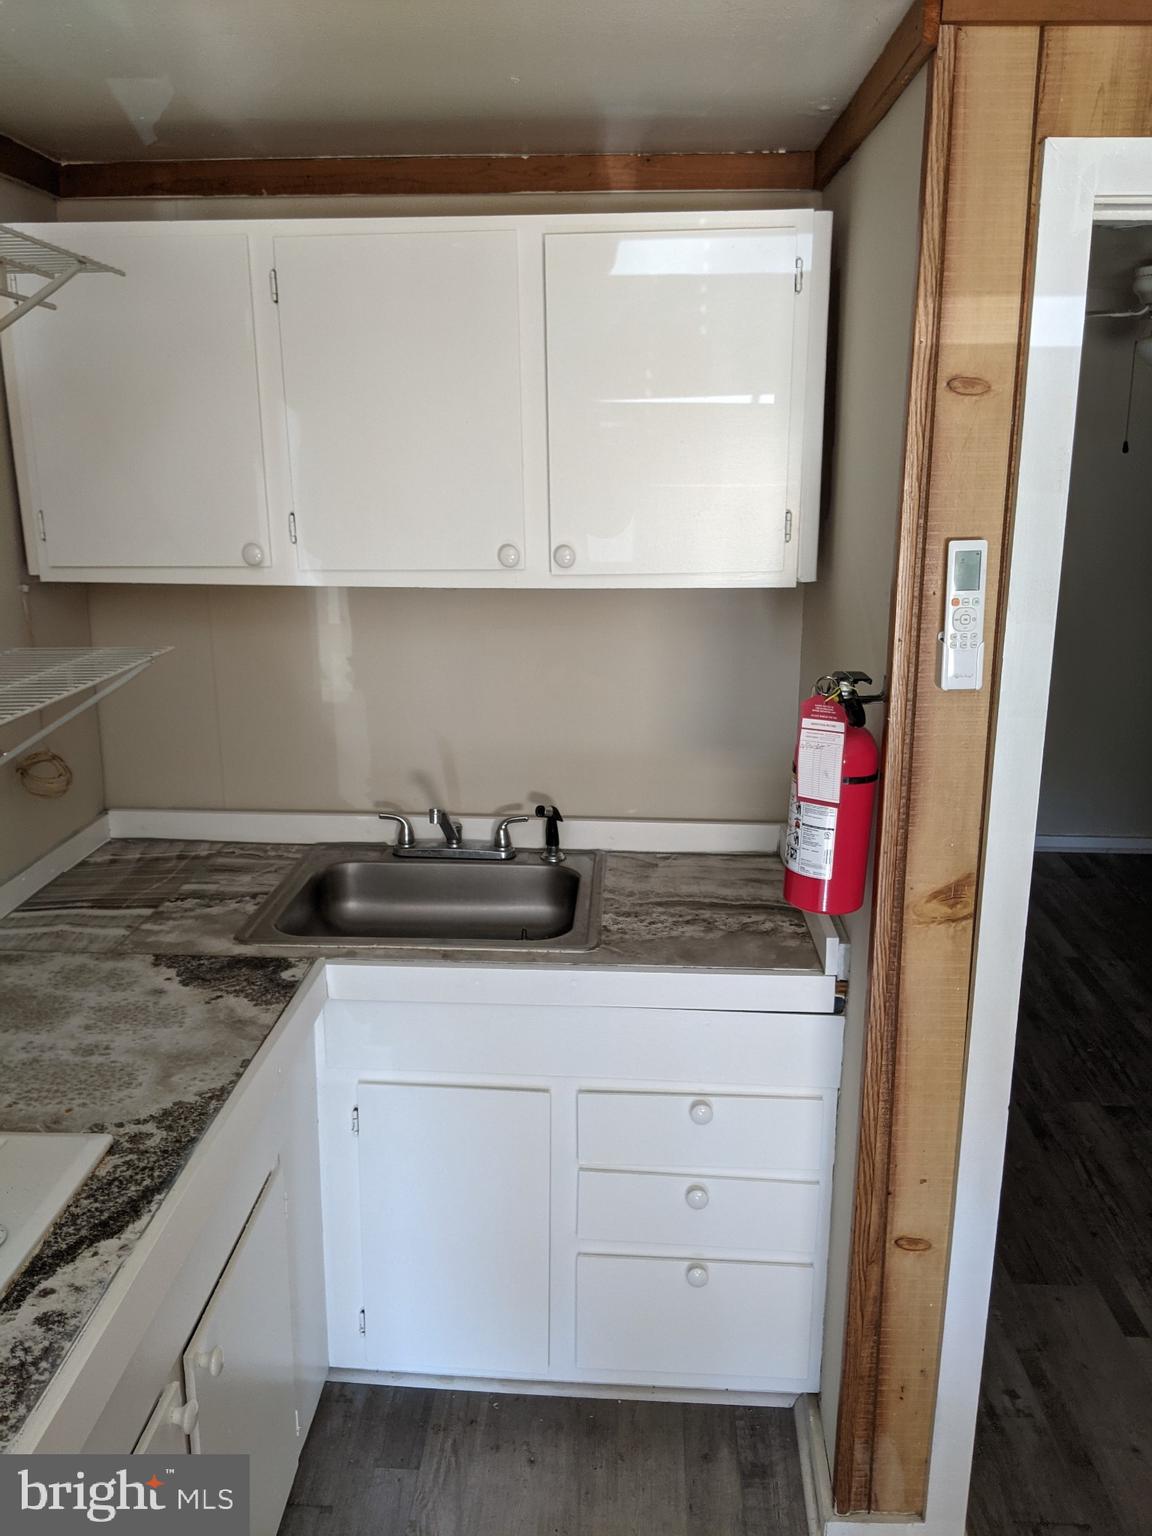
[{"x": 834, "y": 775}]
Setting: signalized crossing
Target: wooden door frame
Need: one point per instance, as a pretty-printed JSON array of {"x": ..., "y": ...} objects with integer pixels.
[{"x": 931, "y": 1143}]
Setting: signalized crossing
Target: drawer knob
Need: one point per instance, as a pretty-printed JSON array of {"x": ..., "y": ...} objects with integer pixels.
[
  {"x": 696, "y": 1275},
  {"x": 564, "y": 556},
  {"x": 211, "y": 1361},
  {"x": 184, "y": 1417},
  {"x": 508, "y": 556},
  {"x": 252, "y": 554},
  {"x": 700, "y": 1111},
  {"x": 696, "y": 1196}
]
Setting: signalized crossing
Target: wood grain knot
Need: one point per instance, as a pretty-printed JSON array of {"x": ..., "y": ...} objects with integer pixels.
[
  {"x": 953, "y": 902},
  {"x": 913, "y": 1244},
  {"x": 968, "y": 384}
]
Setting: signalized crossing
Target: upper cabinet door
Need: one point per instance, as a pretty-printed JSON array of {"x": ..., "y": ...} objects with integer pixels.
[
  {"x": 401, "y": 360},
  {"x": 137, "y": 410},
  {"x": 674, "y": 361}
]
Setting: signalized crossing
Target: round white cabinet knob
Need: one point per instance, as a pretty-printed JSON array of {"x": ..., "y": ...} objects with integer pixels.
[
  {"x": 700, "y": 1111},
  {"x": 564, "y": 556},
  {"x": 185, "y": 1417},
  {"x": 252, "y": 554},
  {"x": 696, "y": 1275},
  {"x": 508, "y": 556},
  {"x": 696, "y": 1196},
  {"x": 212, "y": 1362}
]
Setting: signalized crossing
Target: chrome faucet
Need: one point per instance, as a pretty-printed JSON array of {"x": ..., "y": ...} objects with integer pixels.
[
  {"x": 454, "y": 846},
  {"x": 450, "y": 828}
]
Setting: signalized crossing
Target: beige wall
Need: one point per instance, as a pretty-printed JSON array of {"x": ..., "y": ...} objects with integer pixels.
[
  {"x": 875, "y": 202},
  {"x": 666, "y": 704},
  {"x": 35, "y": 615},
  {"x": 1098, "y": 749}
]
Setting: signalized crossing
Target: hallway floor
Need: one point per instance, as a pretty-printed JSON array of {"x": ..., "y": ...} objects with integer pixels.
[
  {"x": 1064, "y": 1441},
  {"x": 404, "y": 1461}
]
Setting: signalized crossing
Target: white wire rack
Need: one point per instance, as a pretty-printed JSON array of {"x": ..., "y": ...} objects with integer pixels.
[
  {"x": 35, "y": 678},
  {"x": 24, "y": 256}
]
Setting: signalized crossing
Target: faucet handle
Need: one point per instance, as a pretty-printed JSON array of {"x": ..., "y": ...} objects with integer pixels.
[
  {"x": 502, "y": 840},
  {"x": 405, "y": 837}
]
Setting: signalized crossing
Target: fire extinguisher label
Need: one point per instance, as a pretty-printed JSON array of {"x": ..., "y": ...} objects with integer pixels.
[
  {"x": 820, "y": 760},
  {"x": 811, "y": 840}
]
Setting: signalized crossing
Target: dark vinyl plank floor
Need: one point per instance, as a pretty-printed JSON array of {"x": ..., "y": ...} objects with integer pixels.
[
  {"x": 1064, "y": 1439},
  {"x": 405, "y": 1461}
]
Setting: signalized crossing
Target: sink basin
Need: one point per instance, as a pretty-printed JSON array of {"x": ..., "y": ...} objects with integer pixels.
[
  {"x": 351, "y": 895},
  {"x": 39, "y": 1174}
]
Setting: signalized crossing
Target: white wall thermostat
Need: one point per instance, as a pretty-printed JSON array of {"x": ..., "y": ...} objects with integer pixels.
[{"x": 962, "y": 638}]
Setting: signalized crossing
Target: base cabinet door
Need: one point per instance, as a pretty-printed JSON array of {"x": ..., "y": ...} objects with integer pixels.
[
  {"x": 454, "y": 1208},
  {"x": 239, "y": 1367}
]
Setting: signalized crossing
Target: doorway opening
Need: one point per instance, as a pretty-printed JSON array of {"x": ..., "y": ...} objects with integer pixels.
[{"x": 1063, "y": 1440}]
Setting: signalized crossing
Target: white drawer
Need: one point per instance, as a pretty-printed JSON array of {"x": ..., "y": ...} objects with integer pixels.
[
  {"x": 642, "y": 1315},
  {"x": 700, "y": 1130},
  {"x": 704, "y": 1211}
]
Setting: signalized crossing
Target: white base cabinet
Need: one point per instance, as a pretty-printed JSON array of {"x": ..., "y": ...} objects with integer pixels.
[
  {"x": 652, "y": 1212},
  {"x": 239, "y": 1367}
]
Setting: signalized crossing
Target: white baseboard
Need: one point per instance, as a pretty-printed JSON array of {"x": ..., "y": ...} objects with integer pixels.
[
  {"x": 68, "y": 853},
  {"x": 354, "y": 827},
  {"x": 1060, "y": 843},
  {"x": 822, "y": 1517},
  {"x": 813, "y": 1462},
  {"x": 618, "y": 1393}
]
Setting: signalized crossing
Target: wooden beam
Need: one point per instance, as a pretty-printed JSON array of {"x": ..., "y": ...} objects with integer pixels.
[
  {"x": 439, "y": 175},
  {"x": 856, "y": 1418},
  {"x": 982, "y": 313},
  {"x": 957, "y": 484},
  {"x": 1010, "y": 13},
  {"x": 29, "y": 166},
  {"x": 905, "y": 52},
  {"x": 1096, "y": 83}
]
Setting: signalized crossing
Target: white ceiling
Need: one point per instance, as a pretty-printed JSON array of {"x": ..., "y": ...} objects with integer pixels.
[{"x": 138, "y": 79}]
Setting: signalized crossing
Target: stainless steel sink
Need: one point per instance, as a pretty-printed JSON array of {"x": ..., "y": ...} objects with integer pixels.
[{"x": 350, "y": 895}]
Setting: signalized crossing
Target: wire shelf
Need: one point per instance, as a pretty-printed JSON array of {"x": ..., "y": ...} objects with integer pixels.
[
  {"x": 24, "y": 255},
  {"x": 35, "y": 678}
]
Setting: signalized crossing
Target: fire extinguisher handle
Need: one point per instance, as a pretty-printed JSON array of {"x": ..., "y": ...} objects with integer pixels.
[{"x": 854, "y": 709}]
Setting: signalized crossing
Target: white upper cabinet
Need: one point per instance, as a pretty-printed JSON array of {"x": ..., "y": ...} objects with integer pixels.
[
  {"x": 402, "y": 387},
  {"x": 136, "y": 410},
  {"x": 674, "y": 437},
  {"x": 577, "y": 400}
]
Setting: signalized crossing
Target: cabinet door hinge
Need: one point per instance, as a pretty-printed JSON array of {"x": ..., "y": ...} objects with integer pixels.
[
  {"x": 274, "y": 285},
  {"x": 292, "y": 526},
  {"x": 355, "y": 1120},
  {"x": 40, "y": 522},
  {"x": 363, "y": 1321},
  {"x": 798, "y": 280},
  {"x": 787, "y": 527}
]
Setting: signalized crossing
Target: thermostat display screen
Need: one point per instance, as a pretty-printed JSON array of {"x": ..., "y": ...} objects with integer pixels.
[{"x": 967, "y": 570}]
